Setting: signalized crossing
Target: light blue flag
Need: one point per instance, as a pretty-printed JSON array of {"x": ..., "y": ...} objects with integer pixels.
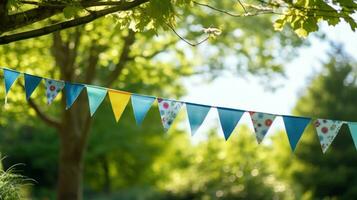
[
  {"x": 141, "y": 106},
  {"x": 72, "y": 93},
  {"x": 95, "y": 97},
  {"x": 229, "y": 119},
  {"x": 353, "y": 131},
  {"x": 196, "y": 115},
  {"x": 10, "y": 77},
  {"x": 31, "y": 82},
  {"x": 295, "y": 127}
]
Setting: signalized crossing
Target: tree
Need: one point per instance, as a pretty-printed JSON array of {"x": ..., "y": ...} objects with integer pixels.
[
  {"x": 332, "y": 95},
  {"x": 17, "y": 15},
  {"x": 93, "y": 55}
]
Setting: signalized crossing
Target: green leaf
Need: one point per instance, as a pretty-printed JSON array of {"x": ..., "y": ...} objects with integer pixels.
[
  {"x": 301, "y": 32},
  {"x": 71, "y": 11},
  {"x": 279, "y": 24}
]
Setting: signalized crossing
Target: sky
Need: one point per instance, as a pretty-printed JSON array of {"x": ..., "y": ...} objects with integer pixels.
[{"x": 236, "y": 92}]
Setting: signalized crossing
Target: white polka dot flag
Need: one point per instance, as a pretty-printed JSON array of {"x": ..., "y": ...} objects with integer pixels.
[
  {"x": 261, "y": 124},
  {"x": 53, "y": 87},
  {"x": 326, "y": 129}
]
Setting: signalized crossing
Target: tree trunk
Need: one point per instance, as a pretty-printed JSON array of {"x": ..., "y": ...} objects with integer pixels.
[
  {"x": 73, "y": 138},
  {"x": 70, "y": 171}
]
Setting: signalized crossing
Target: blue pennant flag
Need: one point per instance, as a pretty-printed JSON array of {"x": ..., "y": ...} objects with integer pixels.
[
  {"x": 10, "y": 77},
  {"x": 353, "y": 131},
  {"x": 141, "y": 106},
  {"x": 295, "y": 127},
  {"x": 95, "y": 97},
  {"x": 196, "y": 115},
  {"x": 229, "y": 119},
  {"x": 72, "y": 93},
  {"x": 31, "y": 82}
]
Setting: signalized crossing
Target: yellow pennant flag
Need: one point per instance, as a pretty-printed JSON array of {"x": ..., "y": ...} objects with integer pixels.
[{"x": 119, "y": 100}]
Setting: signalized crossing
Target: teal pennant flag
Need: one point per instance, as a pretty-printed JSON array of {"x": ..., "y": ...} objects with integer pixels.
[
  {"x": 31, "y": 83},
  {"x": 10, "y": 77},
  {"x": 72, "y": 92},
  {"x": 95, "y": 97},
  {"x": 229, "y": 119},
  {"x": 141, "y": 106},
  {"x": 295, "y": 127},
  {"x": 353, "y": 131},
  {"x": 196, "y": 115}
]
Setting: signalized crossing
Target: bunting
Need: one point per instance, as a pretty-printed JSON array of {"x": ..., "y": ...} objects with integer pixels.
[
  {"x": 261, "y": 124},
  {"x": 10, "y": 77},
  {"x": 118, "y": 100},
  {"x": 353, "y": 130},
  {"x": 141, "y": 105},
  {"x": 72, "y": 93},
  {"x": 327, "y": 131},
  {"x": 53, "y": 87},
  {"x": 295, "y": 127},
  {"x": 196, "y": 115},
  {"x": 31, "y": 82},
  {"x": 95, "y": 98},
  {"x": 229, "y": 119},
  {"x": 168, "y": 111}
]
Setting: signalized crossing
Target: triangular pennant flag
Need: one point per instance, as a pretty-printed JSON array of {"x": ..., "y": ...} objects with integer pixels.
[
  {"x": 95, "y": 98},
  {"x": 72, "y": 92},
  {"x": 353, "y": 131},
  {"x": 196, "y": 115},
  {"x": 168, "y": 111},
  {"x": 31, "y": 82},
  {"x": 141, "y": 105},
  {"x": 10, "y": 77},
  {"x": 295, "y": 127},
  {"x": 327, "y": 131},
  {"x": 119, "y": 100},
  {"x": 53, "y": 87},
  {"x": 261, "y": 123},
  {"x": 229, "y": 119}
]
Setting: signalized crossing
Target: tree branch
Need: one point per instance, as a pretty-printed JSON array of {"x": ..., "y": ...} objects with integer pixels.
[
  {"x": 93, "y": 58},
  {"x": 154, "y": 53},
  {"x": 47, "y": 119},
  {"x": 31, "y": 16},
  {"x": 85, "y": 4},
  {"x": 68, "y": 24},
  {"x": 123, "y": 58},
  {"x": 185, "y": 40}
]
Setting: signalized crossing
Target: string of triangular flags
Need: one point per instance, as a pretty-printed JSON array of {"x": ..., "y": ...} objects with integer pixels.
[{"x": 326, "y": 129}]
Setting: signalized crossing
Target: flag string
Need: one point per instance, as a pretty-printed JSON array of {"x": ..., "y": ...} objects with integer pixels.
[{"x": 326, "y": 129}]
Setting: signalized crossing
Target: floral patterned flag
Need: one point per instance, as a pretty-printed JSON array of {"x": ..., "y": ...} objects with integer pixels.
[
  {"x": 53, "y": 87},
  {"x": 327, "y": 131},
  {"x": 261, "y": 124},
  {"x": 168, "y": 111}
]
